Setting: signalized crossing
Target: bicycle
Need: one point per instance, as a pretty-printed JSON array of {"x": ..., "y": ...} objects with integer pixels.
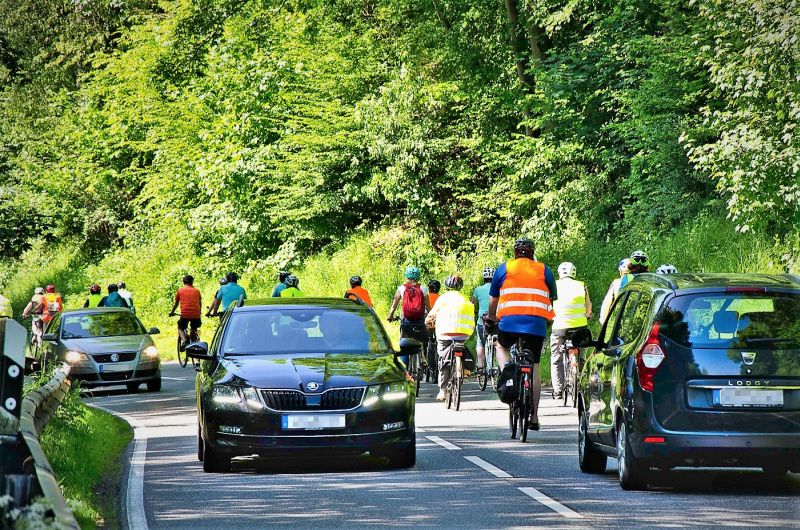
[
  {"x": 415, "y": 367},
  {"x": 490, "y": 369},
  {"x": 454, "y": 357},
  {"x": 194, "y": 336},
  {"x": 432, "y": 374},
  {"x": 35, "y": 343},
  {"x": 519, "y": 412},
  {"x": 571, "y": 370}
]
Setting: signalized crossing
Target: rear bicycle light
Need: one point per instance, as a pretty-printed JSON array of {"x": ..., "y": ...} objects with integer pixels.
[{"x": 649, "y": 358}]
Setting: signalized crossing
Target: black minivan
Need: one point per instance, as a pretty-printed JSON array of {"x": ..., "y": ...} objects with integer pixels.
[{"x": 694, "y": 370}]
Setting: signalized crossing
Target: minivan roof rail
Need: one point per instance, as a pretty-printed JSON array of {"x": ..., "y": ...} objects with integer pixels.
[{"x": 661, "y": 279}]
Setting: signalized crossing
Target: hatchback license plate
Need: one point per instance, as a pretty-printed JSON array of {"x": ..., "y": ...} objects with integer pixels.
[
  {"x": 313, "y": 422},
  {"x": 750, "y": 397},
  {"x": 107, "y": 368}
]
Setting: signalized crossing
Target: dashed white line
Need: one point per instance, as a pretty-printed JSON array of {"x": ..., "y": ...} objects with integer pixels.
[
  {"x": 496, "y": 471},
  {"x": 419, "y": 429},
  {"x": 443, "y": 443},
  {"x": 550, "y": 503}
]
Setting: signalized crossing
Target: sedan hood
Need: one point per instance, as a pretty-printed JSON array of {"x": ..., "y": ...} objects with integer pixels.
[
  {"x": 109, "y": 344},
  {"x": 298, "y": 371}
]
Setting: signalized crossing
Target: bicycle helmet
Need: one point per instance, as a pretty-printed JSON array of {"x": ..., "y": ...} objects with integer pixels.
[
  {"x": 412, "y": 273},
  {"x": 567, "y": 270},
  {"x": 50, "y": 288},
  {"x": 523, "y": 247},
  {"x": 488, "y": 273},
  {"x": 639, "y": 258},
  {"x": 454, "y": 282},
  {"x": 223, "y": 280},
  {"x": 94, "y": 289},
  {"x": 623, "y": 265},
  {"x": 38, "y": 290},
  {"x": 112, "y": 288},
  {"x": 282, "y": 275},
  {"x": 121, "y": 285},
  {"x": 232, "y": 277},
  {"x": 355, "y": 280},
  {"x": 292, "y": 281},
  {"x": 667, "y": 269},
  {"x": 434, "y": 286}
]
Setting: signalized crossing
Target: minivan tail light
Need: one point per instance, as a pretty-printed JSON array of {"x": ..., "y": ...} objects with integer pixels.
[{"x": 649, "y": 358}]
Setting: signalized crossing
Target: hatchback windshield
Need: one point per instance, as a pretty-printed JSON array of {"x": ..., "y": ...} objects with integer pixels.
[
  {"x": 734, "y": 320},
  {"x": 110, "y": 324},
  {"x": 311, "y": 330}
]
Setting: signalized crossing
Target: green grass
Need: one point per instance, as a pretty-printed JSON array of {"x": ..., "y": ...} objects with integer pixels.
[{"x": 85, "y": 447}]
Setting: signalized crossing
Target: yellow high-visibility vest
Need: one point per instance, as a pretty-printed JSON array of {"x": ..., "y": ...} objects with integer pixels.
[
  {"x": 455, "y": 315},
  {"x": 570, "y": 308}
]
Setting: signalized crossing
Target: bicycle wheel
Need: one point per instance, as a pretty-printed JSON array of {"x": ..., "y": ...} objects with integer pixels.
[
  {"x": 448, "y": 399},
  {"x": 574, "y": 386},
  {"x": 42, "y": 356},
  {"x": 183, "y": 360},
  {"x": 417, "y": 374},
  {"x": 513, "y": 413},
  {"x": 482, "y": 377},
  {"x": 525, "y": 410},
  {"x": 457, "y": 380}
]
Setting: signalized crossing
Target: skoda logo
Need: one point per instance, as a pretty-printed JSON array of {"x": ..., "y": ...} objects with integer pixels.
[
  {"x": 114, "y": 357},
  {"x": 313, "y": 386},
  {"x": 748, "y": 357}
]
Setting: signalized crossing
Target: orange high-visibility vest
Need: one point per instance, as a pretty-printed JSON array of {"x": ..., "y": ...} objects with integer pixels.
[{"x": 524, "y": 291}]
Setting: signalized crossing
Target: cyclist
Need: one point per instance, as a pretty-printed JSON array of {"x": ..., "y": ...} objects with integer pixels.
[
  {"x": 356, "y": 289},
  {"x": 572, "y": 309},
  {"x": 5, "y": 307},
  {"x": 292, "y": 291},
  {"x": 454, "y": 319},
  {"x": 480, "y": 299},
  {"x": 613, "y": 289},
  {"x": 276, "y": 292},
  {"x": 667, "y": 269},
  {"x": 191, "y": 302},
  {"x": 51, "y": 303},
  {"x": 94, "y": 297},
  {"x": 35, "y": 307},
  {"x": 230, "y": 292},
  {"x": 521, "y": 298},
  {"x": 213, "y": 310},
  {"x": 638, "y": 264},
  {"x": 414, "y": 298},
  {"x": 126, "y": 295},
  {"x": 113, "y": 298},
  {"x": 433, "y": 292}
]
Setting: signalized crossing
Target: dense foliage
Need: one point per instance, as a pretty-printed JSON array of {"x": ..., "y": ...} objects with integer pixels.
[{"x": 259, "y": 131}]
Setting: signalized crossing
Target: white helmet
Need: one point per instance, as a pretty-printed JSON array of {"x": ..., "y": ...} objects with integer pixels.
[
  {"x": 38, "y": 290},
  {"x": 667, "y": 269},
  {"x": 567, "y": 270},
  {"x": 623, "y": 265},
  {"x": 488, "y": 273}
]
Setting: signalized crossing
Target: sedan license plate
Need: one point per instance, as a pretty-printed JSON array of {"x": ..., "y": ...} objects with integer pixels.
[
  {"x": 106, "y": 368},
  {"x": 313, "y": 422},
  {"x": 750, "y": 397}
]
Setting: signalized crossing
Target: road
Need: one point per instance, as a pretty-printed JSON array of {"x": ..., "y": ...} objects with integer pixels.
[{"x": 469, "y": 474}]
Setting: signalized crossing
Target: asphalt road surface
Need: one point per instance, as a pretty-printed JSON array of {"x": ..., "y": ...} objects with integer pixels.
[{"x": 469, "y": 474}]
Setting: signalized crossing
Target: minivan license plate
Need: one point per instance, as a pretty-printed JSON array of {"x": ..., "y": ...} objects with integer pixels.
[
  {"x": 750, "y": 397},
  {"x": 313, "y": 422}
]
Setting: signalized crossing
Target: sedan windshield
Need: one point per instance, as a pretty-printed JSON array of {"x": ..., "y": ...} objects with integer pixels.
[
  {"x": 311, "y": 330},
  {"x": 91, "y": 325},
  {"x": 734, "y": 320}
]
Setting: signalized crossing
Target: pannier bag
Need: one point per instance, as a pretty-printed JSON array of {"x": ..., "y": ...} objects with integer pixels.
[{"x": 508, "y": 383}]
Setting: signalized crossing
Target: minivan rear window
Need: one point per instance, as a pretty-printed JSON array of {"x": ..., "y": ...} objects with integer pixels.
[{"x": 733, "y": 320}]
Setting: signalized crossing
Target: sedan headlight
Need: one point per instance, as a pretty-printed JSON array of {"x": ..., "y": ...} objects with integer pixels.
[
  {"x": 151, "y": 352},
  {"x": 226, "y": 395},
  {"x": 75, "y": 356},
  {"x": 372, "y": 396},
  {"x": 395, "y": 391}
]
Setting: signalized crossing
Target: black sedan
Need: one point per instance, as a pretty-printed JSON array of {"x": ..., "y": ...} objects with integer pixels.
[{"x": 302, "y": 375}]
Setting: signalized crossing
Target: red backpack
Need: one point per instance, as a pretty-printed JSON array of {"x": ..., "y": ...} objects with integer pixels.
[{"x": 413, "y": 303}]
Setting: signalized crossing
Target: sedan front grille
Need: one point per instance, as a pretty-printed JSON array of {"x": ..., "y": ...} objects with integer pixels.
[
  {"x": 106, "y": 357},
  {"x": 333, "y": 399}
]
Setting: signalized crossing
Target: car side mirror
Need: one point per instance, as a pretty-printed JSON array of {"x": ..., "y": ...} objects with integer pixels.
[
  {"x": 49, "y": 337},
  {"x": 409, "y": 347},
  {"x": 153, "y": 331},
  {"x": 582, "y": 338},
  {"x": 198, "y": 350}
]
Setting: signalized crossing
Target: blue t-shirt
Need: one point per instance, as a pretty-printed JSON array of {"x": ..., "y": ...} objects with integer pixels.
[
  {"x": 276, "y": 292},
  {"x": 527, "y": 324},
  {"x": 228, "y": 293},
  {"x": 481, "y": 295}
]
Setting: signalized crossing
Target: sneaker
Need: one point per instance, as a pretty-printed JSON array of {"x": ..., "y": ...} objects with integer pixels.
[{"x": 440, "y": 396}]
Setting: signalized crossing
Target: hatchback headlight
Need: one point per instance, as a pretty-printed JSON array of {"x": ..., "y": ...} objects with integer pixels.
[
  {"x": 151, "y": 352},
  {"x": 75, "y": 356}
]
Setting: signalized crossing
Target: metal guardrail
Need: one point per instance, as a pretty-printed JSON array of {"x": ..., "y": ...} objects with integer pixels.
[{"x": 37, "y": 408}]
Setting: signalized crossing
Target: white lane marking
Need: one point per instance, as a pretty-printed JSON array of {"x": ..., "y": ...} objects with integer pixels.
[
  {"x": 175, "y": 378},
  {"x": 496, "y": 471},
  {"x": 550, "y": 503},
  {"x": 443, "y": 443},
  {"x": 419, "y": 430}
]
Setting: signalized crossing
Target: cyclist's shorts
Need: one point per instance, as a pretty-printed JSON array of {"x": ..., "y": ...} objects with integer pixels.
[
  {"x": 414, "y": 329},
  {"x": 532, "y": 343},
  {"x": 480, "y": 335},
  {"x": 183, "y": 323}
]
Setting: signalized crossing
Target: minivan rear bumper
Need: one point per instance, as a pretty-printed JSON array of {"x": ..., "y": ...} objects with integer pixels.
[{"x": 736, "y": 449}]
